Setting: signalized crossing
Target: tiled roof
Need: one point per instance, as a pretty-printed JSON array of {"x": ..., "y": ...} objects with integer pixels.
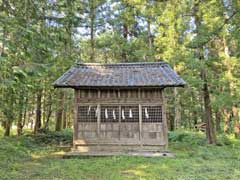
[{"x": 141, "y": 74}]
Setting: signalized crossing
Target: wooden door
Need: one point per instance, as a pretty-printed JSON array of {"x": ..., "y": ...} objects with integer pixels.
[
  {"x": 109, "y": 123},
  {"x": 129, "y": 124},
  {"x": 152, "y": 125},
  {"x": 87, "y": 122}
]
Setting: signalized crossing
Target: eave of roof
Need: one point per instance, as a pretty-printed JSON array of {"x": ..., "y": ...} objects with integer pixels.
[{"x": 129, "y": 75}]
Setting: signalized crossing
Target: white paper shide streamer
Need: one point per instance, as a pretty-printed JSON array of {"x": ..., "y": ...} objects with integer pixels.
[
  {"x": 123, "y": 115},
  {"x": 106, "y": 114},
  {"x": 130, "y": 113},
  {"x": 89, "y": 109},
  {"x": 146, "y": 113},
  {"x": 114, "y": 115}
]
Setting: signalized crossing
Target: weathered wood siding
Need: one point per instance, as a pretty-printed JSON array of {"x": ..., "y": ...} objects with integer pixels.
[{"x": 120, "y": 117}]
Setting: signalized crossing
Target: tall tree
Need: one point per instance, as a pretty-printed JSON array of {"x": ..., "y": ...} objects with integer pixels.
[{"x": 200, "y": 49}]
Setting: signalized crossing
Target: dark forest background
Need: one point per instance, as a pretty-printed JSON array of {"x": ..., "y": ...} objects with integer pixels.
[{"x": 41, "y": 39}]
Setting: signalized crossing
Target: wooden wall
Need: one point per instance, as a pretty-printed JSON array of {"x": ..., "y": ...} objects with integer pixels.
[{"x": 116, "y": 132}]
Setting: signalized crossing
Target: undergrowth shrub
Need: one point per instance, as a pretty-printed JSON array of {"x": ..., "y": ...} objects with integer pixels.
[
  {"x": 12, "y": 150},
  {"x": 51, "y": 137},
  {"x": 197, "y": 138},
  {"x": 223, "y": 140},
  {"x": 187, "y": 137}
]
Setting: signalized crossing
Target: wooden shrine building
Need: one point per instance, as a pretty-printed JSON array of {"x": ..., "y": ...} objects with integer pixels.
[{"x": 120, "y": 107}]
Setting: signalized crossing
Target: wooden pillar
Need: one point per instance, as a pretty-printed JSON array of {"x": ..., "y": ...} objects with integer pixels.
[
  {"x": 98, "y": 120},
  {"x": 75, "y": 133},
  {"x": 119, "y": 120},
  {"x": 98, "y": 114},
  {"x": 164, "y": 119},
  {"x": 140, "y": 123}
]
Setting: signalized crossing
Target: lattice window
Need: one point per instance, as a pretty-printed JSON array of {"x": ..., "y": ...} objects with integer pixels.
[
  {"x": 87, "y": 113},
  {"x": 151, "y": 114},
  {"x": 110, "y": 114},
  {"x": 129, "y": 114}
]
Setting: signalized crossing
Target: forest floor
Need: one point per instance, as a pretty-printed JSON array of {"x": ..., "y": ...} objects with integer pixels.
[{"x": 39, "y": 158}]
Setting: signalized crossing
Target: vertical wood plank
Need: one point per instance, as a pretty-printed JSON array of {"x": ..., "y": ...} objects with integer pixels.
[
  {"x": 99, "y": 94},
  {"x": 119, "y": 94},
  {"x": 78, "y": 95},
  {"x": 143, "y": 94},
  {"x": 108, "y": 93},
  {"x": 140, "y": 123},
  {"x": 75, "y": 134},
  {"x": 139, "y": 93},
  {"x": 119, "y": 121},
  {"x": 165, "y": 127},
  {"x": 129, "y": 94},
  {"x": 98, "y": 120},
  {"x": 89, "y": 93}
]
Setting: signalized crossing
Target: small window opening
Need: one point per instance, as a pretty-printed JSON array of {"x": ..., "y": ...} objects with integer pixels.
[
  {"x": 152, "y": 114},
  {"x": 130, "y": 114},
  {"x": 109, "y": 113},
  {"x": 87, "y": 114}
]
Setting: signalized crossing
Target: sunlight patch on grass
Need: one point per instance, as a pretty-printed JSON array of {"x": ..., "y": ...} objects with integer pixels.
[
  {"x": 47, "y": 154},
  {"x": 138, "y": 171},
  {"x": 232, "y": 138},
  {"x": 37, "y": 156},
  {"x": 58, "y": 153},
  {"x": 134, "y": 172}
]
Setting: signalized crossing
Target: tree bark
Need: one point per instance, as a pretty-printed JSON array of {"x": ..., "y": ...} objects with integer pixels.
[
  {"x": 9, "y": 112},
  {"x": 20, "y": 115},
  {"x": 19, "y": 124},
  {"x": 194, "y": 117},
  {"x": 44, "y": 105},
  {"x": 49, "y": 112},
  {"x": 177, "y": 110},
  {"x": 64, "y": 119},
  {"x": 150, "y": 46},
  {"x": 194, "y": 113},
  {"x": 226, "y": 121},
  {"x": 38, "y": 112},
  {"x": 7, "y": 126},
  {"x": 125, "y": 35},
  {"x": 25, "y": 113},
  {"x": 48, "y": 118},
  {"x": 92, "y": 21},
  {"x": 210, "y": 131},
  {"x": 59, "y": 112},
  {"x": 218, "y": 117},
  {"x": 235, "y": 114}
]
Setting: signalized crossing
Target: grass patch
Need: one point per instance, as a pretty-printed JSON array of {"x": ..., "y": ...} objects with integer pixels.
[{"x": 36, "y": 157}]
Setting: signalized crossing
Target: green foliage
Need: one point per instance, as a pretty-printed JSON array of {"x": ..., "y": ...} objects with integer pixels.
[{"x": 39, "y": 40}]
